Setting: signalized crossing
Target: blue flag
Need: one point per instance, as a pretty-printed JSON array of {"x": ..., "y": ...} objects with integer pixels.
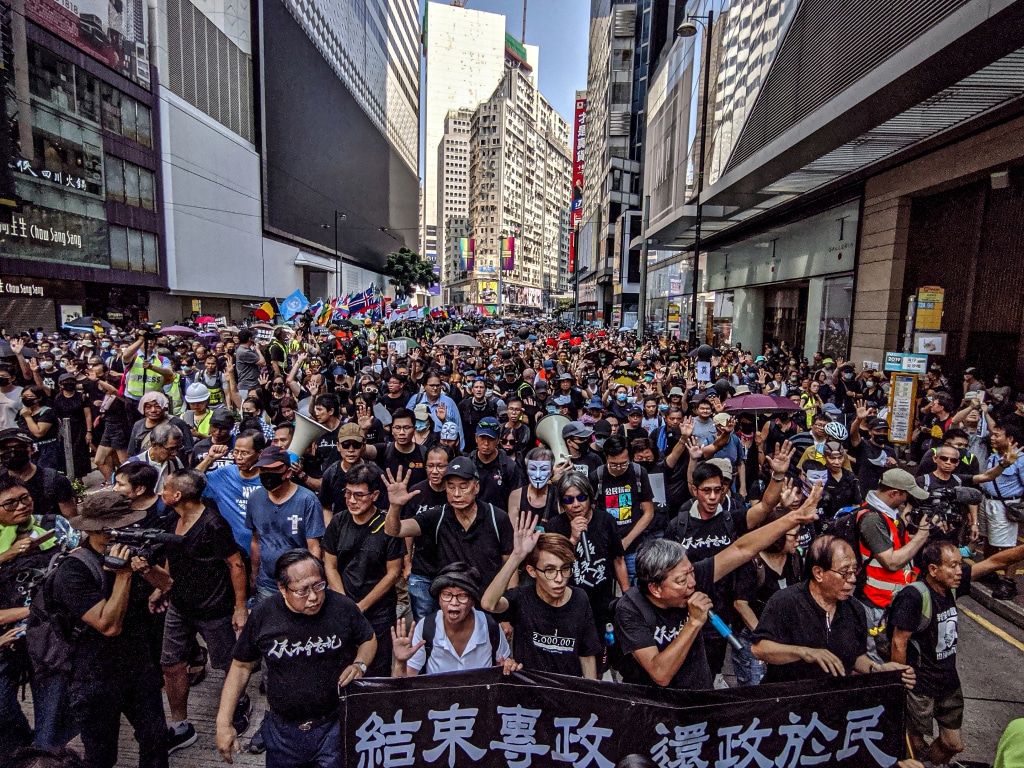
[{"x": 294, "y": 305}]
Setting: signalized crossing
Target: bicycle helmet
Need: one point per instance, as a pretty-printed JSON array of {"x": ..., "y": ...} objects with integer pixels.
[{"x": 836, "y": 431}]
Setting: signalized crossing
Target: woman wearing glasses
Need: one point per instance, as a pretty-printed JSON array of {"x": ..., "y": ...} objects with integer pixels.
[
  {"x": 457, "y": 637},
  {"x": 600, "y": 559},
  {"x": 553, "y": 622}
]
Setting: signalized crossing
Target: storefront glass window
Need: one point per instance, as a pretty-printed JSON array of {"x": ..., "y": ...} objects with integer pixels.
[{"x": 837, "y": 308}]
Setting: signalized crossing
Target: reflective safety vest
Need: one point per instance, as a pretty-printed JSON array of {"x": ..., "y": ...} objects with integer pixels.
[
  {"x": 881, "y": 585},
  {"x": 174, "y": 394},
  {"x": 140, "y": 381}
]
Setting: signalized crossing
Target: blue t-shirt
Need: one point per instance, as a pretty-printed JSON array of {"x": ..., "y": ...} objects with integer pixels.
[
  {"x": 231, "y": 491},
  {"x": 280, "y": 527}
]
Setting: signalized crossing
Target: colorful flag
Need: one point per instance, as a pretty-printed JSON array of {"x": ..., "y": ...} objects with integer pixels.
[
  {"x": 265, "y": 311},
  {"x": 508, "y": 253},
  {"x": 467, "y": 254},
  {"x": 294, "y": 305}
]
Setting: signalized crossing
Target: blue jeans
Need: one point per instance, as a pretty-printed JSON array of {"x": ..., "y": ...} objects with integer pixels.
[
  {"x": 14, "y": 732},
  {"x": 748, "y": 670},
  {"x": 631, "y": 568},
  {"x": 51, "y": 701},
  {"x": 419, "y": 596},
  {"x": 289, "y": 747}
]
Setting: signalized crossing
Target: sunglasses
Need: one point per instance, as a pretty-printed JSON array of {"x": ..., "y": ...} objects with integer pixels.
[
  {"x": 349, "y": 445},
  {"x": 581, "y": 498}
]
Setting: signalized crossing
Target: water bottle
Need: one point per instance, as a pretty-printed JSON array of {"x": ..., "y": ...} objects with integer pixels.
[{"x": 609, "y": 634}]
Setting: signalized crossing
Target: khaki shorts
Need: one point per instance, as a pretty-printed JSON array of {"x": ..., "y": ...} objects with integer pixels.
[{"x": 947, "y": 711}]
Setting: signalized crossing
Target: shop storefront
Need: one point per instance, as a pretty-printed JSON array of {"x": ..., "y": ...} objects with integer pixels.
[{"x": 792, "y": 284}]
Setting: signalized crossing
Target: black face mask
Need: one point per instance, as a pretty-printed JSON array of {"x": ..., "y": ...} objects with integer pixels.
[
  {"x": 272, "y": 480},
  {"x": 68, "y": 386},
  {"x": 5, "y": 381},
  {"x": 15, "y": 459},
  {"x": 648, "y": 465}
]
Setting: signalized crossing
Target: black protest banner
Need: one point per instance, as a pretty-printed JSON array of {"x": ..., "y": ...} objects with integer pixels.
[{"x": 484, "y": 719}]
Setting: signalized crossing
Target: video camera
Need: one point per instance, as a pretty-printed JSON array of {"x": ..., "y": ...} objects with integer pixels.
[
  {"x": 141, "y": 543},
  {"x": 944, "y": 505}
]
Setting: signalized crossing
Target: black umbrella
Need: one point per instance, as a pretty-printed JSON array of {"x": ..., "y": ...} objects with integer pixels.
[{"x": 87, "y": 324}]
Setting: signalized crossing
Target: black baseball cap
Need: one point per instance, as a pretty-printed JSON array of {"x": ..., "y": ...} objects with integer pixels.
[
  {"x": 463, "y": 467},
  {"x": 273, "y": 456}
]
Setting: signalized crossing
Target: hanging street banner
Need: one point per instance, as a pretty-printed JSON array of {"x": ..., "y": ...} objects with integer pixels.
[
  {"x": 485, "y": 719},
  {"x": 579, "y": 144}
]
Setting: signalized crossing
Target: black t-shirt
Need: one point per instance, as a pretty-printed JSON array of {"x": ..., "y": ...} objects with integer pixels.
[
  {"x": 745, "y": 586},
  {"x": 777, "y": 436},
  {"x": 792, "y": 617},
  {"x": 547, "y": 638},
  {"x": 98, "y": 657},
  {"x": 363, "y": 553},
  {"x": 202, "y": 580},
  {"x": 706, "y": 538},
  {"x": 622, "y": 497},
  {"x": 303, "y": 656},
  {"x": 413, "y": 464},
  {"x": 332, "y": 489},
  {"x": 48, "y": 488},
  {"x": 498, "y": 478},
  {"x": 200, "y": 451},
  {"x": 641, "y": 624},
  {"x": 587, "y": 464},
  {"x": 424, "y": 550},
  {"x": 594, "y": 570},
  {"x": 677, "y": 489},
  {"x": 871, "y": 462},
  {"x": 844, "y": 492},
  {"x": 483, "y": 545},
  {"x": 324, "y": 452},
  {"x": 932, "y": 651}
]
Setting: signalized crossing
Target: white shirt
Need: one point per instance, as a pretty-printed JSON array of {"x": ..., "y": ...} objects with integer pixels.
[{"x": 444, "y": 658}]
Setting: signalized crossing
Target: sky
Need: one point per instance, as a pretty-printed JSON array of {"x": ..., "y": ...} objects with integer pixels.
[{"x": 560, "y": 29}]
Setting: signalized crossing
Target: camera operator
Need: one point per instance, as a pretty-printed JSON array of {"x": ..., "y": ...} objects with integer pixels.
[
  {"x": 208, "y": 598},
  {"x": 115, "y": 669},
  {"x": 958, "y": 522}
]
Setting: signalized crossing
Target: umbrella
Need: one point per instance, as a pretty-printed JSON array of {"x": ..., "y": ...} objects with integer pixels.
[
  {"x": 177, "y": 330},
  {"x": 87, "y": 324},
  {"x": 265, "y": 326},
  {"x": 409, "y": 343},
  {"x": 206, "y": 319},
  {"x": 209, "y": 335},
  {"x": 457, "y": 340},
  {"x": 760, "y": 404}
]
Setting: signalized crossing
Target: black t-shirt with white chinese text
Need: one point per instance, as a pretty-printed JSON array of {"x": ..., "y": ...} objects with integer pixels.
[
  {"x": 303, "y": 656},
  {"x": 547, "y": 638},
  {"x": 641, "y": 624},
  {"x": 596, "y": 552}
]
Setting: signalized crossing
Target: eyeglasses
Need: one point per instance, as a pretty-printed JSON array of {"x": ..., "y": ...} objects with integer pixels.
[
  {"x": 713, "y": 491},
  {"x": 438, "y": 384},
  {"x": 242, "y": 454},
  {"x": 952, "y": 459},
  {"x": 303, "y": 593},
  {"x": 25, "y": 500},
  {"x": 551, "y": 572},
  {"x": 357, "y": 494},
  {"x": 581, "y": 498},
  {"x": 852, "y": 573},
  {"x": 351, "y": 445},
  {"x": 618, "y": 464},
  {"x": 459, "y": 598}
]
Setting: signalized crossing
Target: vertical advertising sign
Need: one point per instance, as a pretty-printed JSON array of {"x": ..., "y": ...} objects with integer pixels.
[
  {"x": 508, "y": 253},
  {"x": 467, "y": 254},
  {"x": 578, "y": 146}
]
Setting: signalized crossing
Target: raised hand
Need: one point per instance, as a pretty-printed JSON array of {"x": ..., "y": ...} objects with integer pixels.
[
  {"x": 17, "y": 345},
  {"x": 525, "y": 536},
  {"x": 401, "y": 641},
  {"x": 789, "y": 494},
  {"x": 686, "y": 428},
  {"x": 695, "y": 449},
  {"x": 264, "y": 380},
  {"x": 780, "y": 462},
  {"x": 364, "y": 417},
  {"x": 218, "y": 452},
  {"x": 398, "y": 487},
  {"x": 808, "y": 511},
  {"x": 441, "y": 411}
]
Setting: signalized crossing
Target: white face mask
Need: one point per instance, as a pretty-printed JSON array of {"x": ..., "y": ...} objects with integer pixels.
[{"x": 539, "y": 472}]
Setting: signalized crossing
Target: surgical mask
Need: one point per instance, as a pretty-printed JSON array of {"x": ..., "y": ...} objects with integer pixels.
[
  {"x": 421, "y": 424},
  {"x": 621, "y": 397},
  {"x": 552, "y": 409},
  {"x": 272, "y": 480},
  {"x": 105, "y": 344},
  {"x": 539, "y": 472},
  {"x": 648, "y": 465},
  {"x": 63, "y": 364},
  {"x": 46, "y": 365},
  {"x": 16, "y": 459},
  {"x": 663, "y": 407},
  {"x": 847, "y": 376}
]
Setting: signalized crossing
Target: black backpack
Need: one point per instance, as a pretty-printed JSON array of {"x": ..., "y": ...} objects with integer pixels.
[
  {"x": 52, "y": 632},
  {"x": 430, "y": 629}
]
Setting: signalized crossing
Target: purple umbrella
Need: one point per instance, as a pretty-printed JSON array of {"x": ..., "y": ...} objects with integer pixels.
[
  {"x": 178, "y": 330},
  {"x": 760, "y": 404}
]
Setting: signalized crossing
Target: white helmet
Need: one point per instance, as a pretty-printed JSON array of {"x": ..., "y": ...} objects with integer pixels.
[
  {"x": 836, "y": 431},
  {"x": 196, "y": 393}
]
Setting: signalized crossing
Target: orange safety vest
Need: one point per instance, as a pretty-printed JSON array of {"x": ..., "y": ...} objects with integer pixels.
[{"x": 881, "y": 585}]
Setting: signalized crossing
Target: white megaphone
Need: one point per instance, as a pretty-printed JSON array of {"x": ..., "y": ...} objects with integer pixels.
[
  {"x": 549, "y": 432},
  {"x": 307, "y": 432}
]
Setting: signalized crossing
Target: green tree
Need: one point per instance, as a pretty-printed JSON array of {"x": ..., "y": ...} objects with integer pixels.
[
  {"x": 406, "y": 270},
  {"x": 564, "y": 305}
]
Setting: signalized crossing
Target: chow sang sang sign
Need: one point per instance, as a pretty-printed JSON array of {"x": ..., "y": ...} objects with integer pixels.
[{"x": 485, "y": 719}]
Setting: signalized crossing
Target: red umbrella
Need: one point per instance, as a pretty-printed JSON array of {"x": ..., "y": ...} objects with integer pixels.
[
  {"x": 206, "y": 319},
  {"x": 760, "y": 404}
]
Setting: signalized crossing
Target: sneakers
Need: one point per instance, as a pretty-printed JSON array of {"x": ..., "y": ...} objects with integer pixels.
[
  {"x": 243, "y": 711},
  {"x": 256, "y": 744},
  {"x": 1006, "y": 589},
  {"x": 179, "y": 740}
]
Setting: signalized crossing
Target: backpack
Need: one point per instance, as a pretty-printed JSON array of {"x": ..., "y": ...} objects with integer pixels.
[
  {"x": 683, "y": 517},
  {"x": 52, "y": 633},
  {"x": 430, "y": 629},
  {"x": 599, "y": 490},
  {"x": 762, "y": 570},
  {"x": 845, "y": 526}
]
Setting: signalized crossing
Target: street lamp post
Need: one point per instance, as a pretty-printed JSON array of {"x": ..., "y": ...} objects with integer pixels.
[
  {"x": 338, "y": 216},
  {"x": 688, "y": 29}
]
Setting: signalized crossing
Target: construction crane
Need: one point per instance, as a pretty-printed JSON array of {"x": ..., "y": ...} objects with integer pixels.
[{"x": 462, "y": 4}]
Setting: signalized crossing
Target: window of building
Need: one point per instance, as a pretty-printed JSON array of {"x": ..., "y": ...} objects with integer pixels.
[
  {"x": 134, "y": 251},
  {"x": 130, "y": 184}
]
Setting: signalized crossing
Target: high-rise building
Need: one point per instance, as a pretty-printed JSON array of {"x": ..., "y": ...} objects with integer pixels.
[
  {"x": 520, "y": 185},
  {"x": 453, "y": 157},
  {"x": 625, "y": 40},
  {"x": 465, "y": 54}
]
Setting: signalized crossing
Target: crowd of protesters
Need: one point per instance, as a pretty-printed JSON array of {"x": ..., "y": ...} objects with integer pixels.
[{"x": 569, "y": 502}]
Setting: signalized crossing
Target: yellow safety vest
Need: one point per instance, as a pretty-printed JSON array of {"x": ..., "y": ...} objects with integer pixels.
[{"x": 140, "y": 381}]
